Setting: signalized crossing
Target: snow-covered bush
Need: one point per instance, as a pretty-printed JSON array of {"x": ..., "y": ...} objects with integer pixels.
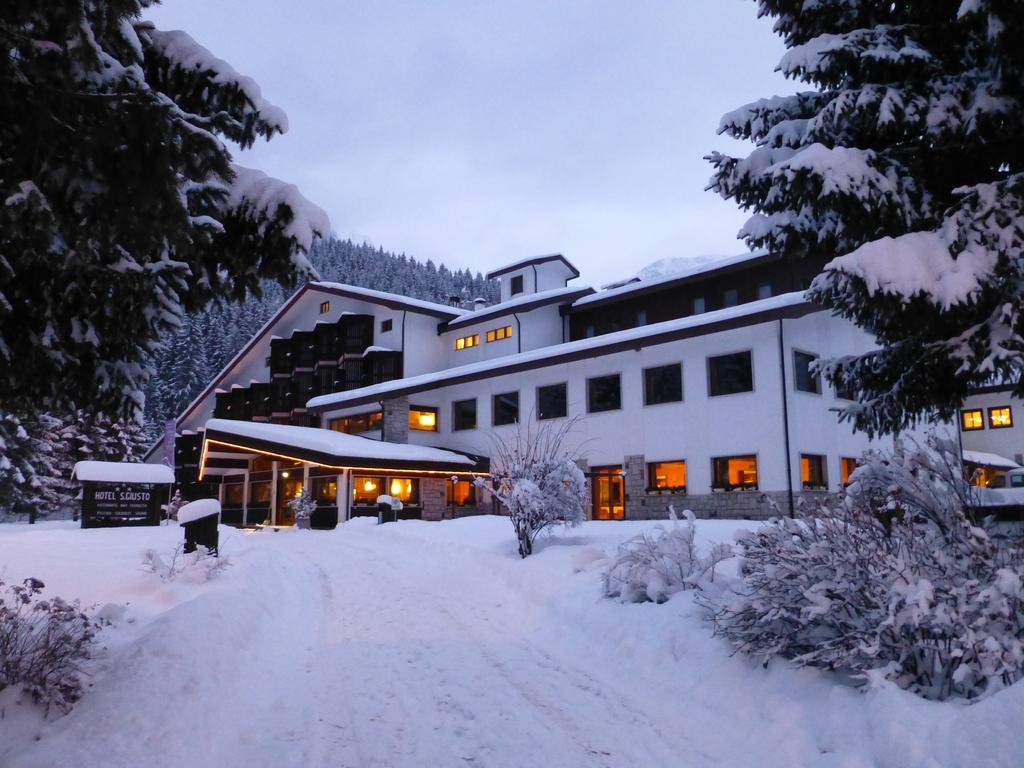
[
  {"x": 893, "y": 582},
  {"x": 537, "y": 481},
  {"x": 172, "y": 506},
  {"x": 200, "y": 566},
  {"x": 654, "y": 566},
  {"x": 303, "y": 505},
  {"x": 43, "y": 644}
]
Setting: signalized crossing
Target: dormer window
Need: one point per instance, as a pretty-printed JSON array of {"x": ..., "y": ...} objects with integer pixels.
[{"x": 516, "y": 285}]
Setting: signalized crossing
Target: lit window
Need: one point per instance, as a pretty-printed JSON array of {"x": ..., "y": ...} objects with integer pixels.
[
  {"x": 805, "y": 379},
  {"x": 812, "y": 472},
  {"x": 325, "y": 307},
  {"x": 361, "y": 422},
  {"x": 734, "y": 472},
  {"x": 467, "y": 341},
  {"x": 972, "y": 419},
  {"x": 1000, "y": 418},
  {"x": 846, "y": 467},
  {"x": 365, "y": 490},
  {"x": 325, "y": 490},
  {"x": 461, "y": 493},
  {"x": 497, "y": 334},
  {"x": 423, "y": 418},
  {"x": 669, "y": 475}
]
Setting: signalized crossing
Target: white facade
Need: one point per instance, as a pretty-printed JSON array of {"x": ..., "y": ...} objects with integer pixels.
[{"x": 987, "y": 406}]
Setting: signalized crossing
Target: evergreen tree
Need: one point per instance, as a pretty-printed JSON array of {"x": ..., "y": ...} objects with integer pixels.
[
  {"x": 122, "y": 209},
  {"x": 905, "y": 167}
]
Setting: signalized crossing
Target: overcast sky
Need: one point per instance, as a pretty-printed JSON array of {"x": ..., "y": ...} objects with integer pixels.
[{"x": 476, "y": 133}]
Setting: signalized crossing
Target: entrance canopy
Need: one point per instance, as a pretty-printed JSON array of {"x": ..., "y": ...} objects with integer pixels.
[
  {"x": 993, "y": 460},
  {"x": 326, "y": 448}
]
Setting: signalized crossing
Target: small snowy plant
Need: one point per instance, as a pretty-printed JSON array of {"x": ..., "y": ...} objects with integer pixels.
[
  {"x": 653, "y": 567},
  {"x": 172, "y": 507},
  {"x": 537, "y": 482},
  {"x": 198, "y": 567},
  {"x": 303, "y": 505},
  {"x": 43, "y": 644},
  {"x": 893, "y": 582}
]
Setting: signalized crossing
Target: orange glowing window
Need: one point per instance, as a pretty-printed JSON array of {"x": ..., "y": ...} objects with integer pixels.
[
  {"x": 734, "y": 472},
  {"x": 972, "y": 419},
  {"x": 325, "y": 307},
  {"x": 1000, "y": 418},
  {"x": 466, "y": 342},
  {"x": 812, "y": 471},
  {"x": 423, "y": 418},
  {"x": 497, "y": 334},
  {"x": 667, "y": 475},
  {"x": 365, "y": 490},
  {"x": 846, "y": 467}
]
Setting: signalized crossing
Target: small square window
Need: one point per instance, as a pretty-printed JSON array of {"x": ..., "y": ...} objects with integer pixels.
[
  {"x": 764, "y": 291},
  {"x": 730, "y": 297},
  {"x": 604, "y": 393},
  {"x": 464, "y": 414},
  {"x": 699, "y": 306},
  {"x": 386, "y": 325},
  {"x": 805, "y": 379},
  {"x": 813, "y": 472},
  {"x": 516, "y": 285},
  {"x": 552, "y": 401},
  {"x": 641, "y": 317},
  {"x": 325, "y": 307},
  {"x": 1000, "y": 417},
  {"x": 663, "y": 384},
  {"x": 505, "y": 409},
  {"x": 972, "y": 419},
  {"x": 730, "y": 374}
]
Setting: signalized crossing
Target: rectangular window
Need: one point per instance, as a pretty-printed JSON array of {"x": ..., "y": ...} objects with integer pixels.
[
  {"x": 461, "y": 493},
  {"x": 467, "y": 341},
  {"x": 261, "y": 463},
  {"x": 804, "y": 379},
  {"x": 1000, "y": 417},
  {"x": 325, "y": 490},
  {"x": 386, "y": 325},
  {"x": 464, "y": 414},
  {"x": 405, "y": 489},
  {"x": 730, "y": 297},
  {"x": 764, "y": 291},
  {"x": 234, "y": 494},
  {"x": 516, "y": 285},
  {"x": 259, "y": 493},
  {"x": 730, "y": 374},
  {"x": 813, "y": 472},
  {"x": 734, "y": 472},
  {"x": 325, "y": 307},
  {"x": 552, "y": 401},
  {"x": 699, "y": 306},
  {"x": 663, "y": 384},
  {"x": 641, "y": 317},
  {"x": 846, "y": 467},
  {"x": 365, "y": 490},
  {"x": 360, "y": 422},
  {"x": 497, "y": 334},
  {"x": 972, "y": 419},
  {"x": 423, "y": 418},
  {"x": 667, "y": 475},
  {"x": 505, "y": 409},
  {"x": 604, "y": 393}
]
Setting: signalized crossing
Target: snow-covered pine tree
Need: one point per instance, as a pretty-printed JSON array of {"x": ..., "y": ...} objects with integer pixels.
[
  {"x": 122, "y": 209},
  {"x": 905, "y": 167}
]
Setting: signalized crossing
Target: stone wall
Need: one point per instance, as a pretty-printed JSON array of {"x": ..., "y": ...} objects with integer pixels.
[
  {"x": 395, "y": 424},
  {"x": 747, "y": 505},
  {"x": 434, "y": 494}
]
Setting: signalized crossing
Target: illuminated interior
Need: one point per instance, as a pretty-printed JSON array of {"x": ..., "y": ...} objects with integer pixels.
[
  {"x": 405, "y": 489},
  {"x": 423, "y": 418},
  {"x": 607, "y": 493},
  {"x": 360, "y": 422},
  {"x": 812, "y": 471},
  {"x": 497, "y": 334},
  {"x": 325, "y": 490},
  {"x": 667, "y": 474},
  {"x": 846, "y": 466},
  {"x": 972, "y": 419},
  {"x": 461, "y": 493},
  {"x": 1000, "y": 417},
  {"x": 466, "y": 342},
  {"x": 365, "y": 490},
  {"x": 735, "y": 472}
]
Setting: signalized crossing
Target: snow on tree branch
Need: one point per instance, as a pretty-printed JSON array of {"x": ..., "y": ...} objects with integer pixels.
[{"x": 265, "y": 195}]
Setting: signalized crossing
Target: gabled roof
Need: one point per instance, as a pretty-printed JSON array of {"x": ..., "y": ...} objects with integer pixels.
[
  {"x": 390, "y": 300},
  {"x": 530, "y": 262},
  {"x": 523, "y": 303},
  {"x": 638, "y": 287},
  {"x": 787, "y": 305}
]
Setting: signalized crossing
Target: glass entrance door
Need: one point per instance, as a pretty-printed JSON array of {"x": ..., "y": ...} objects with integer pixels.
[
  {"x": 289, "y": 486},
  {"x": 606, "y": 491}
]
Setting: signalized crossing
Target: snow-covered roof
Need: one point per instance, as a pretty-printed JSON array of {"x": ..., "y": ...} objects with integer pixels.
[
  {"x": 643, "y": 284},
  {"x": 197, "y": 510},
  {"x": 339, "y": 447},
  {"x": 122, "y": 472},
  {"x": 983, "y": 459},
  {"x": 371, "y": 295},
  {"x": 647, "y": 334},
  {"x": 506, "y": 307},
  {"x": 530, "y": 261}
]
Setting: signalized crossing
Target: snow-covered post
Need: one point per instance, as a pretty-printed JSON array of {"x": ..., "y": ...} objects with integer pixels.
[{"x": 537, "y": 480}]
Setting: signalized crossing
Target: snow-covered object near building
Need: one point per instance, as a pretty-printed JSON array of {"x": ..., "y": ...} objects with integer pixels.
[
  {"x": 122, "y": 472},
  {"x": 197, "y": 510},
  {"x": 888, "y": 175}
]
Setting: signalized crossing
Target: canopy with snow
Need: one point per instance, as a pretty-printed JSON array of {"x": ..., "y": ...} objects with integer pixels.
[
  {"x": 993, "y": 460},
  {"x": 328, "y": 448}
]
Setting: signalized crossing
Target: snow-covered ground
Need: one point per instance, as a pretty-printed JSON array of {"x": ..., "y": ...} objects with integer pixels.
[{"x": 432, "y": 644}]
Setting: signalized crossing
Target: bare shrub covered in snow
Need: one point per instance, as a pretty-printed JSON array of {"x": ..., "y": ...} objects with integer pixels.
[
  {"x": 653, "y": 567},
  {"x": 43, "y": 644},
  {"x": 303, "y": 506},
  {"x": 894, "y": 582},
  {"x": 199, "y": 566},
  {"x": 538, "y": 481}
]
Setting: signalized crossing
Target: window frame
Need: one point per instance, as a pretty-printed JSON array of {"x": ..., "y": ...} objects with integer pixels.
[
  {"x": 494, "y": 409},
  {"x": 565, "y": 400},
  {"x": 1009, "y": 412},
  {"x": 726, "y": 487},
  {"x": 807, "y": 485},
  {"x": 325, "y": 307},
  {"x": 765, "y": 291},
  {"x": 845, "y": 481},
  {"x": 652, "y": 484},
  {"x": 963, "y": 420},
  {"x": 815, "y": 377},
  {"x": 750, "y": 355},
  {"x": 467, "y": 342},
  {"x": 516, "y": 285},
  {"x": 590, "y": 404},
  {"x": 450, "y": 498},
  {"x": 455, "y": 414},
  {"x": 730, "y": 298},
  {"x": 425, "y": 409},
  {"x": 499, "y": 334},
  {"x": 387, "y": 325},
  {"x": 647, "y": 389},
  {"x": 701, "y": 302}
]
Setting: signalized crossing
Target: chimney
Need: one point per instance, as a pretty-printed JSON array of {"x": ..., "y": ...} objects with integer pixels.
[
  {"x": 454, "y": 301},
  {"x": 479, "y": 303}
]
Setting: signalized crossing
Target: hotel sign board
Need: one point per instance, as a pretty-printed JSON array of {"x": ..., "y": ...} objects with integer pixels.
[{"x": 106, "y": 504}]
